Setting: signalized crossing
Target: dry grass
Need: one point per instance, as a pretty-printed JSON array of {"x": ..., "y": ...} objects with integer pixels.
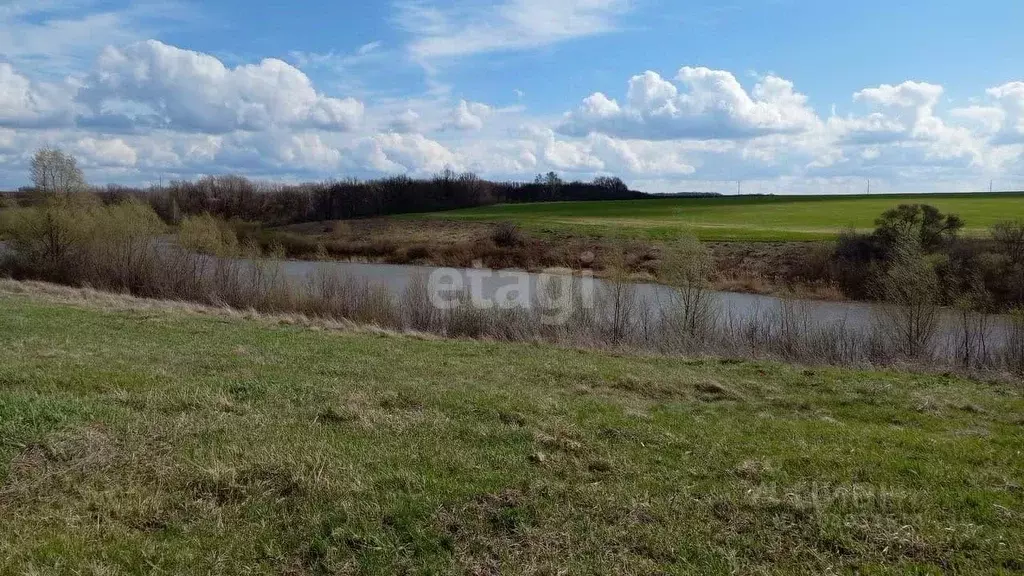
[{"x": 783, "y": 268}]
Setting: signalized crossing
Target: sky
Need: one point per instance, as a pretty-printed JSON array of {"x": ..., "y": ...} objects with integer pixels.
[{"x": 757, "y": 96}]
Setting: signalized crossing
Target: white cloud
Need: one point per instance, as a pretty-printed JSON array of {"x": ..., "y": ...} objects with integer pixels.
[
  {"x": 405, "y": 122},
  {"x": 905, "y": 130},
  {"x": 1010, "y": 97},
  {"x": 56, "y": 38},
  {"x": 148, "y": 110},
  {"x": 412, "y": 153},
  {"x": 711, "y": 105},
  {"x": 910, "y": 105},
  {"x": 105, "y": 152},
  {"x": 368, "y": 48},
  {"x": 984, "y": 119},
  {"x": 509, "y": 25},
  {"x": 24, "y": 103},
  {"x": 468, "y": 116},
  {"x": 910, "y": 94},
  {"x": 598, "y": 153},
  {"x": 192, "y": 91}
]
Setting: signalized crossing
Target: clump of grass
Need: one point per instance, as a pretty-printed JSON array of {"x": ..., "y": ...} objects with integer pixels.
[{"x": 507, "y": 235}]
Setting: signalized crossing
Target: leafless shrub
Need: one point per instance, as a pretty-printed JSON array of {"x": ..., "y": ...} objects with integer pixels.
[
  {"x": 692, "y": 310},
  {"x": 1009, "y": 238},
  {"x": 507, "y": 235},
  {"x": 514, "y": 324},
  {"x": 790, "y": 328},
  {"x": 909, "y": 286},
  {"x": 837, "y": 343},
  {"x": 1013, "y": 349},
  {"x": 463, "y": 319},
  {"x": 565, "y": 307},
  {"x": 419, "y": 312},
  {"x": 618, "y": 298},
  {"x": 56, "y": 172},
  {"x": 971, "y": 342}
]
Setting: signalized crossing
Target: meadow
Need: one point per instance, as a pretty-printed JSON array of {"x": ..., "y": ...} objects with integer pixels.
[
  {"x": 742, "y": 218},
  {"x": 141, "y": 436}
]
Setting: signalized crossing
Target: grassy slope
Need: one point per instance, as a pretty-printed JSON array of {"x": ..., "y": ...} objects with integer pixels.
[
  {"x": 742, "y": 218},
  {"x": 143, "y": 440}
]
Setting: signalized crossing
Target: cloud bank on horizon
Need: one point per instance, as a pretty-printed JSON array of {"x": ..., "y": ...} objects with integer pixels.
[{"x": 146, "y": 91}]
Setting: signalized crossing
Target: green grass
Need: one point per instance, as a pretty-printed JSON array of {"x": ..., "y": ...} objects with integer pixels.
[
  {"x": 150, "y": 441},
  {"x": 770, "y": 218}
]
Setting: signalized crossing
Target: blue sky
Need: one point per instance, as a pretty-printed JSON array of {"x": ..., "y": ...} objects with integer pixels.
[{"x": 785, "y": 95}]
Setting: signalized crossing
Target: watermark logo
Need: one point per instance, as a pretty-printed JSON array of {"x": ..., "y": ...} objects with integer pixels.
[{"x": 554, "y": 293}]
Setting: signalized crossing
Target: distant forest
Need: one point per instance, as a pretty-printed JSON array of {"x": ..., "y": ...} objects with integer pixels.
[{"x": 280, "y": 204}]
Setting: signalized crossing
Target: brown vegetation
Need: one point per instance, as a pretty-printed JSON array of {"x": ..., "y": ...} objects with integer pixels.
[{"x": 781, "y": 268}]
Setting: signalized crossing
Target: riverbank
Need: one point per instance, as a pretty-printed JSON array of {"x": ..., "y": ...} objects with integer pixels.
[
  {"x": 790, "y": 269},
  {"x": 557, "y": 308},
  {"x": 280, "y": 448}
]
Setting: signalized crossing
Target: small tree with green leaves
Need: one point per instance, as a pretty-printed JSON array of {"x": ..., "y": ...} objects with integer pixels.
[{"x": 932, "y": 229}]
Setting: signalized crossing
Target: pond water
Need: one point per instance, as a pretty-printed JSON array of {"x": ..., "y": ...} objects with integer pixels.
[{"x": 730, "y": 306}]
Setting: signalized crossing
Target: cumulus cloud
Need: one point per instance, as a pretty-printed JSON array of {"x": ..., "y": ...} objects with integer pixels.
[
  {"x": 405, "y": 122},
  {"x": 706, "y": 104},
  {"x": 24, "y": 104},
  {"x": 600, "y": 153},
  {"x": 410, "y": 153},
  {"x": 105, "y": 152},
  {"x": 468, "y": 116},
  {"x": 164, "y": 86},
  {"x": 1010, "y": 98},
  {"x": 904, "y": 129},
  {"x": 983, "y": 119},
  {"x": 146, "y": 110},
  {"x": 907, "y": 111}
]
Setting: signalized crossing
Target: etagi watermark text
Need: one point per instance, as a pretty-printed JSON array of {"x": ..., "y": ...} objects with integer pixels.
[{"x": 553, "y": 293}]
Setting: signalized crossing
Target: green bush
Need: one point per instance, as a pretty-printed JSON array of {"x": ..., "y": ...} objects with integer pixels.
[
  {"x": 207, "y": 234},
  {"x": 78, "y": 240}
]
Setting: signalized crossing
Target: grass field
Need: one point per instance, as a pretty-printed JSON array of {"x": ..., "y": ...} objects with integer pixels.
[
  {"x": 147, "y": 438},
  {"x": 767, "y": 218}
]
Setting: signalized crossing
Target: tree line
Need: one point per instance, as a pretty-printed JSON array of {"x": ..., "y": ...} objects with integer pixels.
[
  {"x": 55, "y": 172},
  {"x": 279, "y": 204}
]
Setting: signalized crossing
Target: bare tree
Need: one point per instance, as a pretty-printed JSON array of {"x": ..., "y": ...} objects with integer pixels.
[
  {"x": 909, "y": 288},
  {"x": 56, "y": 172},
  {"x": 687, "y": 267}
]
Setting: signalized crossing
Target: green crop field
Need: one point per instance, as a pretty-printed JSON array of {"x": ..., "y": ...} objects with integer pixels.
[
  {"x": 768, "y": 218},
  {"x": 159, "y": 438}
]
